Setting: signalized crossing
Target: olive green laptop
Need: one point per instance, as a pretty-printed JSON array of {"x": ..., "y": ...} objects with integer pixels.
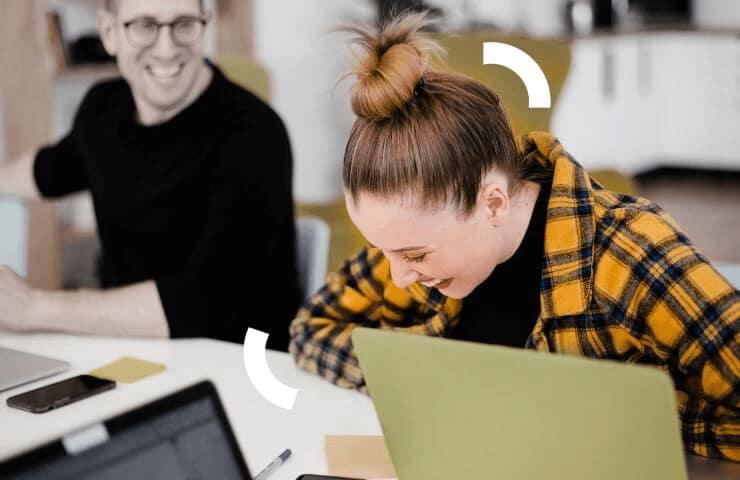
[{"x": 454, "y": 410}]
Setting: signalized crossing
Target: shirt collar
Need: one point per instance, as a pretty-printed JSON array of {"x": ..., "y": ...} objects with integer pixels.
[{"x": 567, "y": 271}]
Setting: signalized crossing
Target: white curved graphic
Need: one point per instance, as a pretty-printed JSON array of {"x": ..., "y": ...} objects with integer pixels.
[
  {"x": 255, "y": 362},
  {"x": 519, "y": 62}
]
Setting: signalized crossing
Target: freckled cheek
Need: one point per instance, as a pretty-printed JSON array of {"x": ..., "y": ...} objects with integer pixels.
[
  {"x": 464, "y": 277},
  {"x": 440, "y": 270}
]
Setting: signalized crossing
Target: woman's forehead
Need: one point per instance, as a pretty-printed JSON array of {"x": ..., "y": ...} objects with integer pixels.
[{"x": 396, "y": 223}]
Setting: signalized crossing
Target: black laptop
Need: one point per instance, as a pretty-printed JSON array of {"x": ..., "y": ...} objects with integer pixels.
[{"x": 185, "y": 435}]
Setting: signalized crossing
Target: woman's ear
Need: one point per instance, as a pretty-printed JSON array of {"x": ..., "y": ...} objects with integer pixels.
[
  {"x": 496, "y": 202},
  {"x": 107, "y": 28}
]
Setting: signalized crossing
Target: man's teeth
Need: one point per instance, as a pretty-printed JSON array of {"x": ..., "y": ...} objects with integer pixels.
[
  {"x": 432, "y": 284},
  {"x": 165, "y": 72}
]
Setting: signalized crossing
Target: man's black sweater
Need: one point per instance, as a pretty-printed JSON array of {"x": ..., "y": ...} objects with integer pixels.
[{"x": 201, "y": 204}]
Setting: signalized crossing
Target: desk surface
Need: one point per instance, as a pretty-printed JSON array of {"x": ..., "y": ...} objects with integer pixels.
[{"x": 262, "y": 429}]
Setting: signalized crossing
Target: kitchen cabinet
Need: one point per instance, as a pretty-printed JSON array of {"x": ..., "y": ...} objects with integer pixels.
[{"x": 634, "y": 102}]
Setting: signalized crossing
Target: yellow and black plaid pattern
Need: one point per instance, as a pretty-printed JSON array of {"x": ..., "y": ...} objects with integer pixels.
[{"x": 619, "y": 281}]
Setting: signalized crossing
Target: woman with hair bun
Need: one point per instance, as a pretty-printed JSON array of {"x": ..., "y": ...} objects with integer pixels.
[{"x": 477, "y": 235}]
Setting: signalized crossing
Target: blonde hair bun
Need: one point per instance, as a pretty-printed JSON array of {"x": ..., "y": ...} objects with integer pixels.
[{"x": 392, "y": 61}]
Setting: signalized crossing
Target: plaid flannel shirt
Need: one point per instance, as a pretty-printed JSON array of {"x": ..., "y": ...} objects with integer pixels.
[{"x": 619, "y": 281}]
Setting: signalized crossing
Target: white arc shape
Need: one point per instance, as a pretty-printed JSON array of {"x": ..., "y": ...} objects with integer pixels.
[
  {"x": 255, "y": 362},
  {"x": 519, "y": 62}
]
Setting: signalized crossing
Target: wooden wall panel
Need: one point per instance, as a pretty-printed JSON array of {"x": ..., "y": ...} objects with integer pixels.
[
  {"x": 25, "y": 80},
  {"x": 234, "y": 27}
]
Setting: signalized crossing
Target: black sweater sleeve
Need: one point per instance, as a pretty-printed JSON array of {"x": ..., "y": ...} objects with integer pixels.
[
  {"x": 249, "y": 205},
  {"x": 60, "y": 169}
]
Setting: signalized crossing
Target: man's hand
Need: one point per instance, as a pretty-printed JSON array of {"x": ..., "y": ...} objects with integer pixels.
[
  {"x": 15, "y": 301},
  {"x": 134, "y": 310}
]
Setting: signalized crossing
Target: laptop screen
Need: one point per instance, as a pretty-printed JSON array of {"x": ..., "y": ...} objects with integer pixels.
[{"x": 185, "y": 435}]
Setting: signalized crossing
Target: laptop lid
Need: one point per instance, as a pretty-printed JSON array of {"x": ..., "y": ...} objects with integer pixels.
[
  {"x": 183, "y": 435},
  {"x": 452, "y": 409},
  {"x": 17, "y": 368}
]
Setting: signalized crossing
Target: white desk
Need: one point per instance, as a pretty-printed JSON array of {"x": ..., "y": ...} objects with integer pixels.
[{"x": 262, "y": 429}]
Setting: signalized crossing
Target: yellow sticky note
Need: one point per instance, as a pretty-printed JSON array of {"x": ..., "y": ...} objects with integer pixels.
[
  {"x": 362, "y": 456},
  {"x": 128, "y": 370}
]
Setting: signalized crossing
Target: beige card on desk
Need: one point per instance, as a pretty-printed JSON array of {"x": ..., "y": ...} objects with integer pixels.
[
  {"x": 128, "y": 370},
  {"x": 363, "y": 456}
]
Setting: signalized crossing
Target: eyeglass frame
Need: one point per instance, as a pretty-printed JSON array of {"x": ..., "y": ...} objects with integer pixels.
[{"x": 159, "y": 25}]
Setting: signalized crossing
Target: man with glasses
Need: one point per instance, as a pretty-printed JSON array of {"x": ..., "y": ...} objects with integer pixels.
[{"x": 191, "y": 181}]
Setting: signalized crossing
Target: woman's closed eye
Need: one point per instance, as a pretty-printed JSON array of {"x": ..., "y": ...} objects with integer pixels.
[{"x": 414, "y": 258}]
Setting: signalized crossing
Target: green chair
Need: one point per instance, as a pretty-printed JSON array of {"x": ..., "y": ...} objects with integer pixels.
[
  {"x": 465, "y": 55},
  {"x": 246, "y": 73}
]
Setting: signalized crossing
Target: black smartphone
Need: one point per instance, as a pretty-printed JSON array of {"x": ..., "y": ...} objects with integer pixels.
[
  {"x": 324, "y": 477},
  {"x": 60, "y": 394}
]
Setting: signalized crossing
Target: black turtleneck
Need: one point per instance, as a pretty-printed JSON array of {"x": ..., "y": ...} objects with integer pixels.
[
  {"x": 504, "y": 308},
  {"x": 201, "y": 204}
]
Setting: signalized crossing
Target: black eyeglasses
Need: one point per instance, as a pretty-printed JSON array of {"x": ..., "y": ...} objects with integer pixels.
[{"x": 184, "y": 31}]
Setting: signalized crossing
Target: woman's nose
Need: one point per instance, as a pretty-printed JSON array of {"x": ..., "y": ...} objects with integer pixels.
[{"x": 402, "y": 275}]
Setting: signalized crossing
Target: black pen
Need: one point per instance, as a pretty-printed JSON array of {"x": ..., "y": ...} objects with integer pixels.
[{"x": 273, "y": 465}]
